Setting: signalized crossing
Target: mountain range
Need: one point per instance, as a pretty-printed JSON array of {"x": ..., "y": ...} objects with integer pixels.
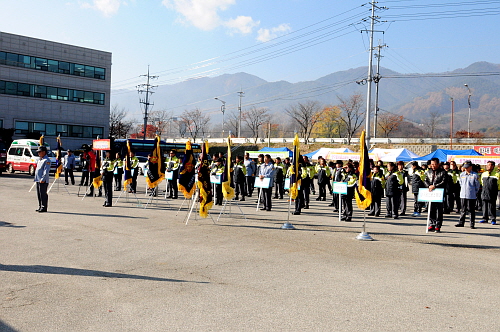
[{"x": 415, "y": 96}]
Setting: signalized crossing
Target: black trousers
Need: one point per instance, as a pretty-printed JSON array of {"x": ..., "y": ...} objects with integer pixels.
[
  {"x": 417, "y": 206},
  {"x": 118, "y": 181},
  {"x": 347, "y": 206},
  {"x": 239, "y": 188},
  {"x": 449, "y": 201},
  {"x": 375, "y": 207},
  {"x": 335, "y": 201},
  {"x": 43, "y": 197},
  {"x": 133, "y": 184},
  {"x": 279, "y": 189},
  {"x": 69, "y": 172},
  {"x": 456, "y": 196},
  {"x": 250, "y": 182},
  {"x": 91, "y": 179},
  {"x": 436, "y": 215},
  {"x": 468, "y": 205},
  {"x": 174, "y": 189},
  {"x": 306, "y": 185},
  {"x": 85, "y": 179},
  {"x": 266, "y": 195},
  {"x": 392, "y": 204},
  {"x": 489, "y": 209},
  {"x": 299, "y": 201},
  {"x": 107, "y": 182},
  {"x": 218, "y": 194},
  {"x": 322, "y": 190},
  {"x": 402, "y": 202}
]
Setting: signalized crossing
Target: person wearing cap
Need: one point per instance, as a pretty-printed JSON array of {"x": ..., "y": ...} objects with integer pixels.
[
  {"x": 172, "y": 165},
  {"x": 469, "y": 187},
  {"x": 69, "y": 165},
  {"x": 490, "y": 181},
  {"x": 42, "y": 178}
]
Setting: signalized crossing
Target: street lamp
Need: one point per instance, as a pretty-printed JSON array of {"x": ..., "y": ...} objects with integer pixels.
[
  {"x": 451, "y": 122},
  {"x": 223, "y": 110},
  {"x": 468, "y": 100}
]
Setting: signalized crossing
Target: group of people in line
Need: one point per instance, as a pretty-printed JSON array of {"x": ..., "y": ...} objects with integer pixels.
[{"x": 466, "y": 189}]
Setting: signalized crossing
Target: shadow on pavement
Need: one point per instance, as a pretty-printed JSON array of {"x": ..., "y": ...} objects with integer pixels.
[
  {"x": 97, "y": 215},
  {"x": 45, "y": 269},
  {"x": 6, "y": 328},
  {"x": 468, "y": 246},
  {"x": 8, "y": 224}
]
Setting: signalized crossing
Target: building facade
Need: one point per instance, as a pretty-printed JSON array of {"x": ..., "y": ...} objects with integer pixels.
[{"x": 54, "y": 89}]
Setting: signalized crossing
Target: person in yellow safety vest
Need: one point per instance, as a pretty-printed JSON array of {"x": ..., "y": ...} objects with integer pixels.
[
  {"x": 239, "y": 172},
  {"x": 377, "y": 190},
  {"x": 308, "y": 173},
  {"x": 490, "y": 180},
  {"x": 107, "y": 168},
  {"x": 417, "y": 182},
  {"x": 311, "y": 174},
  {"x": 218, "y": 169},
  {"x": 394, "y": 179},
  {"x": 404, "y": 187},
  {"x": 134, "y": 164},
  {"x": 172, "y": 164},
  {"x": 324, "y": 174},
  {"x": 455, "y": 198},
  {"x": 118, "y": 172},
  {"x": 351, "y": 179}
]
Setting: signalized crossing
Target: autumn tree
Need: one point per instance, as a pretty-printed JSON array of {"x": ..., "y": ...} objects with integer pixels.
[
  {"x": 388, "y": 122},
  {"x": 119, "y": 127},
  {"x": 352, "y": 114},
  {"x": 329, "y": 123},
  {"x": 151, "y": 132},
  {"x": 465, "y": 134},
  {"x": 196, "y": 123},
  {"x": 254, "y": 118},
  {"x": 306, "y": 115}
]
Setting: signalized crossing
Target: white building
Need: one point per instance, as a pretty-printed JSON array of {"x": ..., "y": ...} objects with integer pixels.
[{"x": 54, "y": 89}]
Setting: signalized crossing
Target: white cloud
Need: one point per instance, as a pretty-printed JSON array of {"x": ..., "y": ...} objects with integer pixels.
[
  {"x": 265, "y": 35},
  {"x": 203, "y": 14},
  {"x": 242, "y": 24},
  {"x": 107, "y": 7}
]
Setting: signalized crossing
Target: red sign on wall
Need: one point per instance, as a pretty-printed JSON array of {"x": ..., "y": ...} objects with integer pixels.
[{"x": 486, "y": 150}]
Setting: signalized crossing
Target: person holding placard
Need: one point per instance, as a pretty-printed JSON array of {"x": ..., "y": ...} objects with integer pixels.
[
  {"x": 435, "y": 177},
  {"x": 266, "y": 171},
  {"x": 218, "y": 170},
  {"x": 172, "y": 165},
  {"x": 338, "y": 175},
  {"x": 351, "y": 179},
  {"x": 469, "y": 184}
]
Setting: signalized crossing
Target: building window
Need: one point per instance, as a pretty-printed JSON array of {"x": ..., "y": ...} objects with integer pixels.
[
  {"x": 1, "y": 123},
  {"x": 54, "y": 66},
  {"x": 51, "y": 129},
  {"x": 48, "y": 92}
]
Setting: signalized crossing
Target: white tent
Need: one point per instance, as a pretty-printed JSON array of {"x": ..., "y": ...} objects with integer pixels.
[
  {"x": 394, "y": 155},
  {"x": 323, "y": 152}
]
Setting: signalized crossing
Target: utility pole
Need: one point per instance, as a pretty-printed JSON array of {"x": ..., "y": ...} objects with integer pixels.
[
  {"x": 376, "y": 79},
  {"x": 241, "y": 93},
  {"x": 369, "y": 80},
  {"x": 146, "y": 88}
]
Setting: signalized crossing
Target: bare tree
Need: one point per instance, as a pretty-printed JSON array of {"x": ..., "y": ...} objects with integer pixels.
[
  {"x": 388, "y": 122},
  {"x": 119, "y": 127},
  {"x": 196, "y": 123},
  {"x": 161, "y": 119},
  {"x": 232, "y": 122},
  {"x": 432, "y": 123},
  {"x": 352, "y": 114},
  {"x": 306, "y": 115},
  {"x": 254, "y": 118}
]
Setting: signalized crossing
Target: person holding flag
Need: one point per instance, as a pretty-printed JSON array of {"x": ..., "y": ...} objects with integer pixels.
[
  {"x": 127, "y": 168},
  {"x": 59, "y": 164},
  {"x": 363, "y": 194},
  {"x": 187, "y": 173},
  {"x": 204, "y": 185},
  {"x": 293, "y": 173},
  {"x": 227, "y": 190},
  {"x": 155, "y": 174},
  {"x": 107, "y": 178},
  {"x": 172, "y": 164}
]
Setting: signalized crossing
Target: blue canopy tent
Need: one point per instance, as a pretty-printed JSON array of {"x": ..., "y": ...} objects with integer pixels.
[
  {"x": 442, "y": 154},
  {"x": 283, "y": 149}
]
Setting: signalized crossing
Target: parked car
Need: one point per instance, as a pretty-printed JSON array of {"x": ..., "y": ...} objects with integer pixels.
[{"x": 22, "y": 156}]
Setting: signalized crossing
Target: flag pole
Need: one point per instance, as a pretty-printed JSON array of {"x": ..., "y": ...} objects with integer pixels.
[{"x": 361, "y": 189}]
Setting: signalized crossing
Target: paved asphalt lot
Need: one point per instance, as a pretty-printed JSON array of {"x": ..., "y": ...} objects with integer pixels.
[{"x": 83, "y": 267}]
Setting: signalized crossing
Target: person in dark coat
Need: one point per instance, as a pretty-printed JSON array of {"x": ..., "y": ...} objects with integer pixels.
[
  {"x": 435, "y": 177},
  {"x": 490, "y": 180},
  {"x": 338, "y": 175},
  {"x": 377, "y": 190},
  {"x": 323, "y": 172},
  {"x": 279, "y": 178},
  {"x": 403, "y": 187},
  {"x": 417, "y": 182},
  {"x": 393, "y": 182},
  {"x": 351, "y": 179},
  {"x": 239, "y": 174}
]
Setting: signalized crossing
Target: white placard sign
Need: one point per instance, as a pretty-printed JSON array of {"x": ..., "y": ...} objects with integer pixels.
[
  {"x": 262, "y": 183},
  {"x": 287, "y": 184},
  {"x": 169, "y": 175},
  {"x": 216, "y": 179},
  {"x": 339, "y": 188},
  {"x": 436, "y": 196}
]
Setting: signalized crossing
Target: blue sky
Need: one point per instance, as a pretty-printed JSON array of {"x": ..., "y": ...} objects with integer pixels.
[{"x": 183, "y": 39}]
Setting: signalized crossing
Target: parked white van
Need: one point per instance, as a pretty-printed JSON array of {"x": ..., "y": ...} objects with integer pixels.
[{"x": 22, "y": 156}]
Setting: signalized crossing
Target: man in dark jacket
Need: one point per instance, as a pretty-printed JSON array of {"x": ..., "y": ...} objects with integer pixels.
[
  {"x": 279, "y": 179},
  {"x": 435, "y": 178},
  {"x": 338, "y": 175},
  {"x": 490, "y": 180},
  {"x": 377, "y": 190},
  {"x": 394, "y": 180}
]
